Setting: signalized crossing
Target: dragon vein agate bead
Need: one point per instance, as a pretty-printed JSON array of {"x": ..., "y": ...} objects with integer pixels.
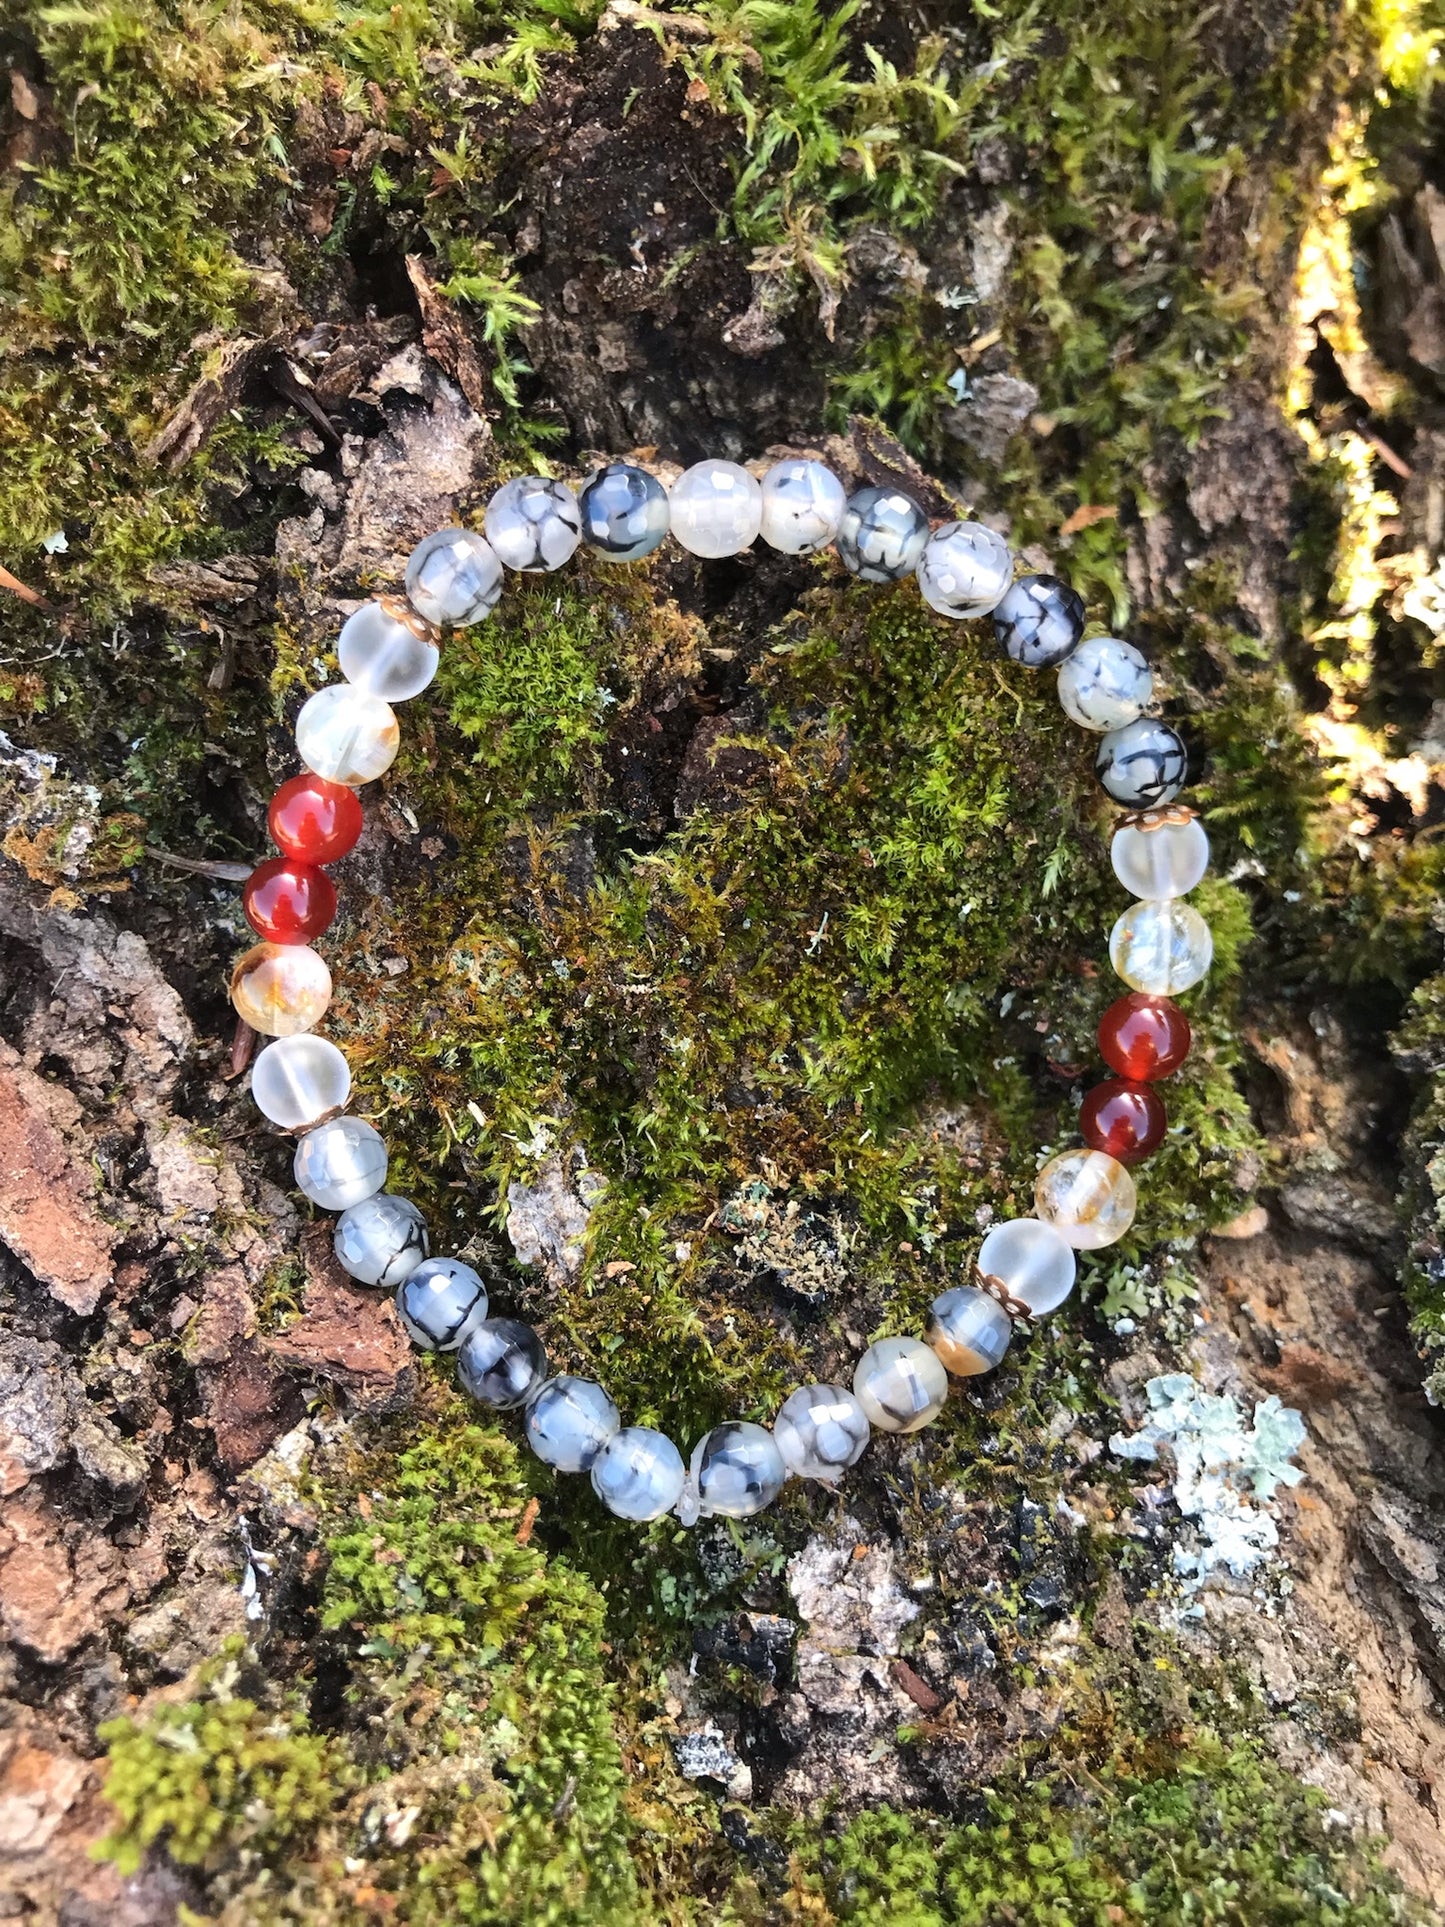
[
  {"x": 1160, "y": 859},
  {"x": 965, "y": 570},
  {"x": 314, "y": 821},
  {"x": 347, "y": 736},
  {"x": 1105, "y": 684},
  {"x": 1040, "y": 620},
  {"x": 881, "y": 535},
  {"x": 624, "y": 513},
  {"x": 1143, "y": 764},
  {"x": 969, "y": 1329},
  {"x": 287, "y": 902},
  {"x": 717, "y": 509},
  {"x": 1126, "y": 1120},
  {"x": 453, "y": 577},
  {"x": 501, "y": 1363},
  {"x": 803, "y": 504},
  {"x": 901, "y": 1384},
  {"x": 638, "y": 1474},
  {"x": 382, "y": 1240},
  {"x": 1087, "y": 1196},
  {"x": 569, "y": 1421},
  {"x": 297, "y": 1080},
  {"x": 1161, "y": 947},
  {"x": 441, "y": 1304},
  {"x": 821, "y": 1430},
  {"x": 1143, "y": 1037},
  {"x": 533, "y": 524},
  {"x": 1031, "y": 1261},
  {"x": 340, "y": 1163},
  {"x": 281, "y": 988},
  {"x": 386, "y": 650},
  {"x": 737, "y": 1470}
]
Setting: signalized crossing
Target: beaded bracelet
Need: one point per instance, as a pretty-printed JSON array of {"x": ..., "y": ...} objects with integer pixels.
[{"x": 347, "y": 735}]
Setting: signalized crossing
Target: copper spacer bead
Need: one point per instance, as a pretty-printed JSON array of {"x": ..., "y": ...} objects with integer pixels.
[
  {"x": 1162, "y": 817},
  {"x": 400, "y": 610},
  {"x": 1018, "y": 1311}
]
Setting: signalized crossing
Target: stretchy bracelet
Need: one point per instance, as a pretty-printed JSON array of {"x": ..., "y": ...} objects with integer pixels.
[{"x": 347, "y": 735}]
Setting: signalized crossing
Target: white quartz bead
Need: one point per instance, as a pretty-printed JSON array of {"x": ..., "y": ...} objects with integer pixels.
[
  {"x": 1087, "y": 1196},
  {"x": 1164, "y": 860},
  {"x": 802, "y": 506},
  {"x": 717, "y": 508},
  {"x": 534, "y": 524},
  {"x": 381, "y": 1241},
  {"x": 901, "y": 1384},
  {"x": 638, "y": 1474},
  {"x": 1163, "y": 948},
  {"x": 346, "y": 735},
  {"x": 965, "y": 570},
  {"x": 441, "y": 1304},
  {"x": 453, "y": 576},
  {"x": 970, "y": 1330},
  {"x": 384, "y": 656},
  {"x": 881, "y": 535},
  {"x": 821, "y": 1430},
  {"x": 501, "y": 1363},
  {"x": 1031, "y": 1261},
  {"x": 295, "y": 1081},
  {"x": 341, "y": 1162},
  {"x": 569, "y": 1421},
  {"x": 1105, "y": 684},
  {"x": 737, "y": 1470}
]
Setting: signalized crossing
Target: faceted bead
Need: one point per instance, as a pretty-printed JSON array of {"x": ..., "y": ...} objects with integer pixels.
[
  {"x": 901, "y": 1384},
  {"x": 346, "y": 735},
  {"x": 965, "y": 570},
  {"x": 1031, "y": 1261},
  {"x": 288, "y": 902},
  {"x": 381, "y": 1241},
  {"x": 297, "y": 1080},
  {"x": 1105, "y": 684},
  {"x": 1161, "y": 947},
  {"x": 1163, "y": 860},
  {"x": 1040, "y": 620},
  {"x": 1143, "y": 764},
  {"x": 638, "y": 1474},
  {"x": 501, "y": 1363},
  {"x": 1143, "y": 1037},
  {"x": 624, "y": 513},
  {"x": 441, "y": 1304},
  {"x": 717, "y": 508},
  {"x": 384, "y": 656},
  {"x": 821, "y": 1430},
  {"x": 281, "y": 988},
  {"x": 737, "y": 1470},
  {"x": 1087, "y": 1196},
  {"x": 453, "y": 576},
  {"x": 1126, "y": 1120},
  {"x": 969, "y": 1330},
  {"x": 802, "y": 506},
  {"x": 881, "y": 535},
  {"x": 313, "y": 820},
  {"x": 534, "y": 524},
  {"x": 569, "y": 1421},
  {"x": 341, "y": 1162}
]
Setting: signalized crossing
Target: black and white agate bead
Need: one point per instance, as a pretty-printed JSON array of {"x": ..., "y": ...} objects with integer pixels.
[
  {"x": 881, "y": 535},
  {"x": 624, "y": 513},
  {"x": 569, "y": 1421},
  {"x": 1143, "y": 764},
  {"x": 821, "y": 1430},
  {"x": 533, "y": 524},
  {"x": 501, "y": 1363},
  {"x": 441, "y": 1304},
  {"x": 381, "y": 1241},
  {"x": 1039, "y": 621}
]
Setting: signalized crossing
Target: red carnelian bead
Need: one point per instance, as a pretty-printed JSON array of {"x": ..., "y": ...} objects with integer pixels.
[
  {"x": 313, "y": 820},
  {"x": 1144, "y": 1037},
  {"x": 1126, "y": 1120},
  {"x": 288, "y": 902}
]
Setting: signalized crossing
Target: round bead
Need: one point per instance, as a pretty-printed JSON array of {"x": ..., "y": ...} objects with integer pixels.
[
  {"x": 969, "y": 1330},
  {"x": 341, "y": 1162},
  {"x": 347, "y": 736},
  {"x": 624, "y": 513},
  {"x": 1105, "y": 684},
  {"x": 1040, "y": 620},
  {"x": 501, "y": 1363},
  {"x": 1143, "y": 1037},
  {"x": 965, "y": 570},
  {"x": 569, "y": 1421},
  {"x": 1165, "y": 861},
  {"x": 1031, "y": 1261},
  {"x": 638, "y": 1474},
  {"x": 1087, "y": 1196},
  {"x": 821, "y": 1430},
  {"x": 534, "y": 524},
  {"x": 900, "y": 1384},
  {"x": 385, "y": 657},
  {"x": 1126, "y": 1120},
  {"x": 1161, "y": 947},
  {"x": 717, "y": 508},
  {"x": 1142, "y": 764},
  {"x": 738, "y": 1470},
  {"x": 281, "y": 988},
  {"x": 453, "y": 576},
  {"x": 381, "y": 1241},
  {"x": 802, "y": 506},
  {"x": 313, "y": 820},
  {"x": 441, "y": 1304},
  {"x": 297, "y": 1080},
  {"x": 287, "y": 902},
  {"x": 881, "y": 535}
]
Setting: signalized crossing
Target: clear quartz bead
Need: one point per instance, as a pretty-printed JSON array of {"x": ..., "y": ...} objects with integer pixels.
[
  {"x": 453, "y": 576},
  {"x": 965, "y": 570},
  {"x": 717, "y": 509},
  {"x": 1165, "y": 860},
  {"x": 534, "y": 524},
  {"x": 569, "y": 1421},
  {"x": 346, "y": 735},
  {"x": 1105, "y": 684},
  {"x": 1161, "y": 947},
  {"x": 1087, "y": 1196},
  {"x": 969, "y": 1330},
  {"x": 441, "y": 1304},
  {"x": 281, "y": 989},
  {"x": 381, "y": 1241},
  {"x": 901, "y": 1384},
  {"x": 802, "y": 506},
  {"x": 1031, "y": 1261},
  {"x": 821, "y": 1430},
  {"x": 624, "y": 511},
  {"x": 383, "y": 656},
  {"x": 881, "y": 535},
  {"x": 295, "y": 1081},
  {"x": 341, "y": 1162},
  {"x": 738, "y": 1470},
  {"x": 638, "y": 1474},
  {"x": 501, "y": 1363},
  {"x": 1143, "y": 764}
]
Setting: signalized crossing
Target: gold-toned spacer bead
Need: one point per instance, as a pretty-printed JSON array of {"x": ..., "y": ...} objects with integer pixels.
[
  {"x": 1018, "y": 1311},
  {"x": 400, "y": 610},
  {"x": 1165, "y": 816}
]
